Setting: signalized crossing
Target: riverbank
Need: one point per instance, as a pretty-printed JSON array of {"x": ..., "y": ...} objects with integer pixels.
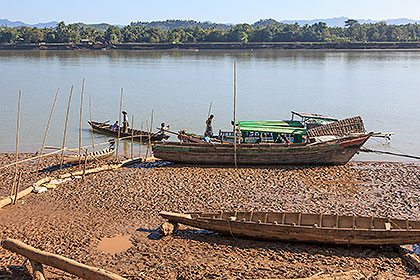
[
  {"x": 74, "y": 218},
  {"x": 216, "y": 46}
]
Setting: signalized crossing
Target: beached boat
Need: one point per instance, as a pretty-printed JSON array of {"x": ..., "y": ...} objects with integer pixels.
[
  {"x": 97, "y": 155},
  {"x": 332, "y": 144},
  {"x": 106, "y": 128},
  {"x": 302, "y": 227}
]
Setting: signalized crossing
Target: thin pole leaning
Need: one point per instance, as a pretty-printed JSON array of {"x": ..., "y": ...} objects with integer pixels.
[
  {"x": 234, "y": 113},
  {"x": 80, "y": 120},
  {"x": 17, "y": 143},
  {"x": 141, "y": 139},
  {"x": 132, "y": 135},
  {"x": 119, "y": 126},
  {"x": 17, "y": 127},
  {"x": 148, "y": 133},
  {"x": 208, "y": 115},
  {"x": 65, "y": 128},
  {"x": 91, "y": 127},
  {"x": 46, "y": 131}
]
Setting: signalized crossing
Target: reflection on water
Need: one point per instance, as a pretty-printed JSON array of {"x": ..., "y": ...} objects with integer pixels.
[{"x": 380, "y": 86}]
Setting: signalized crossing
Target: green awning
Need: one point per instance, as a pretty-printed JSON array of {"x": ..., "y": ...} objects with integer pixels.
[
  {"x": 271, "y": 123},
  {"x": 272, "y": 129}
]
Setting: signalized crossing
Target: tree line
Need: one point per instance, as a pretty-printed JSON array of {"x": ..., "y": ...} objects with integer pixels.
[{"x": 353, "y": 31}]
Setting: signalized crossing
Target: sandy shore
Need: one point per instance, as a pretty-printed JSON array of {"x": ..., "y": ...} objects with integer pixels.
[{"x": 72, "y": 219}]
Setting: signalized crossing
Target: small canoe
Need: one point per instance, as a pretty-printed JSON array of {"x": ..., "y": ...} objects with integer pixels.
[
  {"x": 97, "y": 155},
  {"x": 105, "y": 128},
  {"x": 303, "y": 227}
]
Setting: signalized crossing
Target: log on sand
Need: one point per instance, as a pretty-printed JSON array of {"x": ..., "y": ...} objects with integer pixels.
[
  {"x": 60, "y": 262},
  {"x": 25, "y": 192},
  {"x": 352, "y": 274}
]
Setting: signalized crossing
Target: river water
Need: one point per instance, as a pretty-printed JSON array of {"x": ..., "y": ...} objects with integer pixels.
[{"x": 381, "y": 86}]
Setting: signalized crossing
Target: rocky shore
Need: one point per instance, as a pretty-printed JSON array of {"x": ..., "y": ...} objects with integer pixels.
[{"x": 72, "y": 219}]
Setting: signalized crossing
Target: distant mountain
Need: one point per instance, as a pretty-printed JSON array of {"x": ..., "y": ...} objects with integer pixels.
[{"x": 19, "y": 23}]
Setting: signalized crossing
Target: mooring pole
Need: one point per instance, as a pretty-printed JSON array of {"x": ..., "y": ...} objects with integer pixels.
[
  {"x": 80, "y": 120},
  {"x": 91, "y": 127},
  {"x": 46, "y": 131},
  {"x": 119, "y": 126},
  {"x": 234, "y": 113},
  {"x": 132, "y": 135},
  {"x": 65, "y": 128}
]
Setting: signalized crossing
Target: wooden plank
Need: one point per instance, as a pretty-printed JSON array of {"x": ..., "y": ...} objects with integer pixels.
[{"x": 60, "y": 262}]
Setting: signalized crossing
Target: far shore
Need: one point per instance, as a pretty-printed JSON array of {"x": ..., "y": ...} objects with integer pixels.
[{"x": 217, "y": 46}]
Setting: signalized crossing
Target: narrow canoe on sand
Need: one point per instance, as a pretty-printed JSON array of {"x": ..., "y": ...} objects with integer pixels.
[
  {"x": 303, "y": 227},
  {"x": 105, "y": 128},
  {"x": 97, "y": 155}
]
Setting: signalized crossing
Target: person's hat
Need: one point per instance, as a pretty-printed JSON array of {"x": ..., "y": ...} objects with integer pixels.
[{"x": 124, "y": 112}]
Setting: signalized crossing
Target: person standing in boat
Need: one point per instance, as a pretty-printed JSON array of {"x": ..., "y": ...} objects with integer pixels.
[
  {"x": 115, "y": 126},
  {"x": 125, "y": 123},
  {"x": 209, "y": 127},
  {"x": 163, "y": 129}
]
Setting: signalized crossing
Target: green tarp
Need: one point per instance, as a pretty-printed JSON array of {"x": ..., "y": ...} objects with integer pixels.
[{"x": 281, "y": 127}]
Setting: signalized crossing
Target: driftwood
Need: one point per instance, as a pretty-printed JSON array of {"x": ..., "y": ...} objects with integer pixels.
[
  {"x": 411, "y": 258},
  {"x": 60, "y": 262},
  {"x": 352, "y": 274},
  {"x": 37, "y": 271}
]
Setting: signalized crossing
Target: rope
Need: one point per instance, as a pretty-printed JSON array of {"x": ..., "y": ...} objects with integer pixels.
[{"x": 388, "y": 153}]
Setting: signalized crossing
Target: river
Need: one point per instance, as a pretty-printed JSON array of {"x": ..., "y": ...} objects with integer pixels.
[{"x": 383, "y": 87}]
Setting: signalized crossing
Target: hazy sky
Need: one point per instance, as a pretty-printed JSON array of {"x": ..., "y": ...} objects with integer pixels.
[{"x": 223, "y": 11}]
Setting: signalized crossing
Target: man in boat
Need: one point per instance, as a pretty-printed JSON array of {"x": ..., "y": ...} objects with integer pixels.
[
  {"x": 115, "y": 126},
  {"x": 125, "y": 122},
  {"x": 164, "y": 129},
  {"x": 209, "y": 127}
]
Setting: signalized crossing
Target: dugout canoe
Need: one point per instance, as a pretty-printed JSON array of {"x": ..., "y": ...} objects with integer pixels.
[
  {"x": 105, "y": 128},
  {"x": 303, "y": 227},
  {"x": 97, "y": 155},
  {"x": 336, "y": 151}
]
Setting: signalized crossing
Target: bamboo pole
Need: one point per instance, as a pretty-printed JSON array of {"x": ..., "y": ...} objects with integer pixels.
[
  {"x": 208, "y": 115},
  {"x": 60, "y": 262},
  {"x": 84, "y": 165},
  {"x": 91, "y": 128},
  {"x": 234, "y": 113},
  {"x": 80, "y": 119},
  {"x": 132, "y": 135},
  {"x": 17, "y": 188},
  {"x": 65, "y": 128},
  {"x": 150, "y": 134},
  {"x": 147, "y": 150},
  {"x": 141, "y": 138},
  {"x": 46, "y": 130},
  {"x": 18, "y": 126},
  {"x": 119, "y": 126}
]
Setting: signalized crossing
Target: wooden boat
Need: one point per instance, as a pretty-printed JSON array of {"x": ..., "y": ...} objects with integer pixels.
[
  {"x": 301, "y": 227},
  {"x": 97, "y": 155},
  {"x": 107, "y": 129},
  {"x": 333, "y": 152},
  {"x": 331, "y": 144}
]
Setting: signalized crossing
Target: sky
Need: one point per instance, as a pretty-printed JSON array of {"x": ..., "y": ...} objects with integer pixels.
[{"x": 221, "y": 11}]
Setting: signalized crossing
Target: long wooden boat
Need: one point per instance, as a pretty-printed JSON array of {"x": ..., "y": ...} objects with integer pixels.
[
  {"x": 105, "y": 128},
  {"x": 302, "y": 227},
  {"x": 97, "y": 155},
  {"x": 338, "y": 150}
]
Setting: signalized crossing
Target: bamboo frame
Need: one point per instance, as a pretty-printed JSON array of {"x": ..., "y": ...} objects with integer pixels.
[
  {"x": 91, "y": 128},
  {"x": 65, "y": 128},
  {"x": 119, "y": 126},
  {"x": 80, "y": 119},
  {"x": 141, "y": 139},
  {"x": 234, "y": 114},
  {"x": 46, "y": 130},
  {"x": 132, "y": 136}
]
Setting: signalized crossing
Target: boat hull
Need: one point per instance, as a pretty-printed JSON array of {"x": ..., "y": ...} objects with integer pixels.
[
  {"x": 331, "y": 153},
  {"x": 98, "y": 155},
  {"x": 287, "y": 231},
  {"x": 107, "y": 129}
]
